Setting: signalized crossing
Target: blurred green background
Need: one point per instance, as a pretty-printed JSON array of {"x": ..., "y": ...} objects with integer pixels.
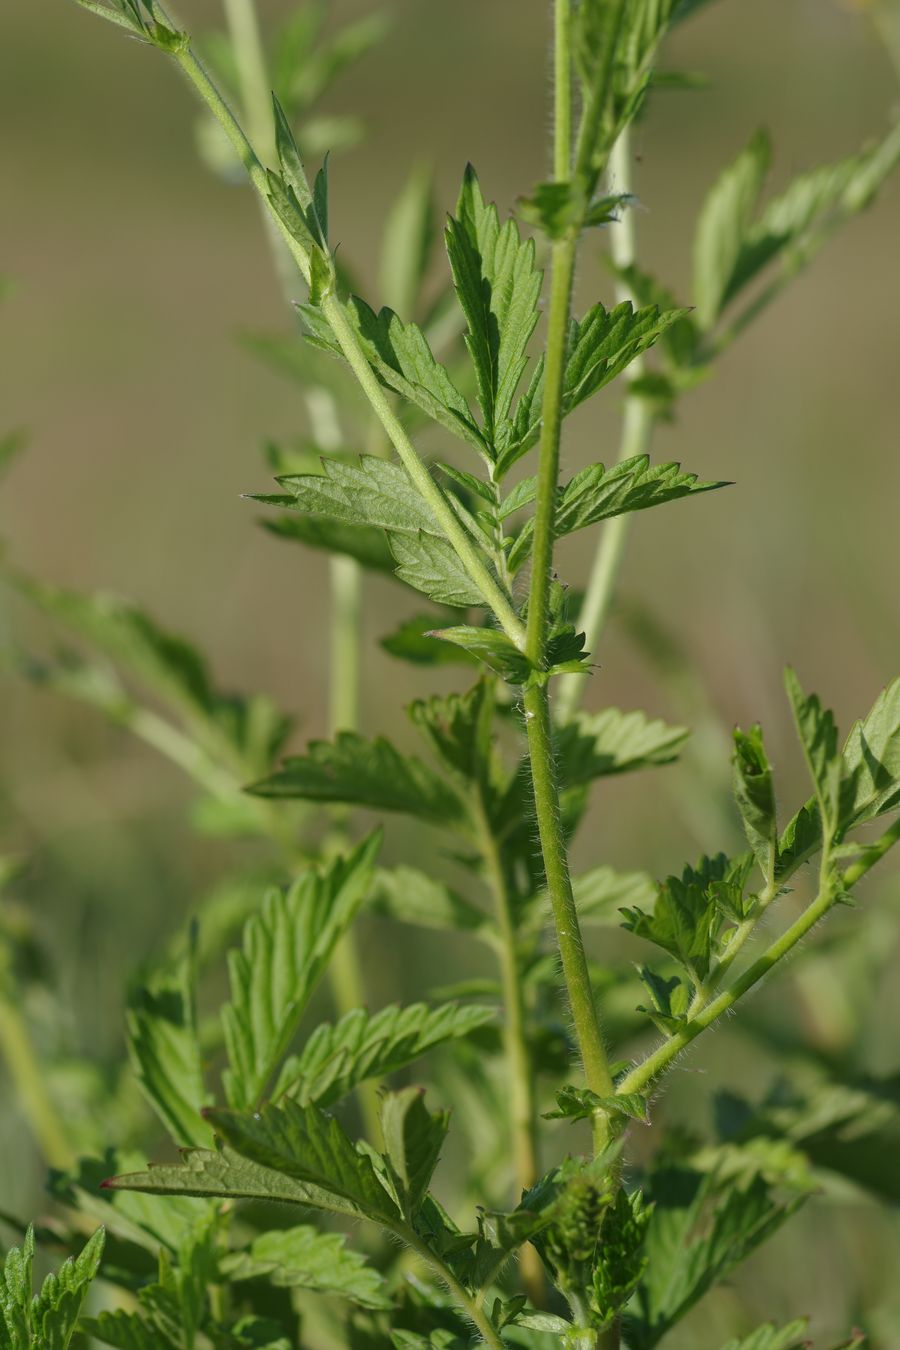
[{"x": 135, "y": 271}]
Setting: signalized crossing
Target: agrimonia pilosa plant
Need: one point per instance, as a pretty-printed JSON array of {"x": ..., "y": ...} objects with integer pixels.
[{"x": 597, "y": 1249}]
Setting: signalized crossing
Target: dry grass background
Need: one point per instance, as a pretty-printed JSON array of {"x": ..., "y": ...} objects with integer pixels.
[{"x": 134, "y": 271}]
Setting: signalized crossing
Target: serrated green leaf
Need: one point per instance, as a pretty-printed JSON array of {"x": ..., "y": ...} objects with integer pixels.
[
  {"x": 402, "y": 359},
  {"x": 723, "y": 227},
  {"x": 413, "y": 641},
  {"x": 701, "y": 1228},
  {"x": 286, "y": 947},
  {"x": 413, "y": 1139},
  {"x": 669, "y": 1000},
  {"x": 373, "y": 491},
  {"x": 228, "y": 1174},
  {"x": 793, "y": 226},
  {"x": 304, "y": 1144},
  {"x": 871, "y": 762},
  {"x": 365, "y": 773},
  {"x": 303, "y": 1258},
  {"x": 164, "y": 1044},
  {"x": 597, "y": 493},
  {"x": 771, "y": 1337},
  {"x": 754, "y": 793},
  {"x": 171, "y": 667},
  {"x": 600, "y": 347},
  {"x": 366, "y": 544},
  {"x": 337, "y": 1058},
  {"x": 685, "y": 922},
  {"x": 498, "y": 286},
  {"x": 818, "y": 736},
  {"x": 492, "y": 648},
  {"x": 46, "y": 1320},
  {"x": 431, "y": 565},
  {"x": 595, "y": 745},
  {"x": 574, "y": 1103},
  {"x": 125, "y": 1331},
  {"x": 459, "y": 729},
  {"x": 406, "y": 894}
]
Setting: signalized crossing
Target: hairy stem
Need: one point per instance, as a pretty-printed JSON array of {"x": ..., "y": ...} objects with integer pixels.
[
  {"x": 537, "y": 703},
  {"x": 559, "y": 886},
  {"x": 470, "y": 1306},
  {"x": 637, "y": 430}
]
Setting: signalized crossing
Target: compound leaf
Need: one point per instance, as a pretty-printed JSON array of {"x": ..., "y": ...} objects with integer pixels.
[
  {"x": 373, "y": 491},
  {"x": 401, "y": 357},
  {"x": 285, "y": 949},
  {"x": 771, "y": 1337},
  {"x": 871, "y": 762},
  {"x": 701, "y": 1227},
  {"x": 358, "y": 772},
  {"x": 818, "y": 736},
  {"x": 431, "y": 565},
  {"x": 597, "y": 493},
  {"x": 498, "y": 286},
  {"x": 411, "y": 896},
  {"x": 164, "y": 1045},
  {"x": 338, "y": 1057},
  {"x": 304, "y": 1144},
  {"x": 304, "y": 1258},
  {"x": 723, "y": 227},
  {"x": 227, "y": 1174},
  {"x": 413, "y": 1139},
  {"x": 595, "y": 745},
  {"x": 754, "y": 793}
]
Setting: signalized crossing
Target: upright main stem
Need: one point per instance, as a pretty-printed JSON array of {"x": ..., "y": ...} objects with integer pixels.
[{"x": 537, "y": 703}]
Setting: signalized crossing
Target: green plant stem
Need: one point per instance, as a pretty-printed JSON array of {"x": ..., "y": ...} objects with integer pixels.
[
  {"x": 645, "y": 1074},
  {"x": 27, "y": 1078},
  {"x": 537, "y": 703},
  {"x": 559, "y": 886},
  {"x": 467, "y": 1304},
  {"x": 637, "y": 429},
  {"x": 464, "y": 546},
  {"x": 468, "y": 554}
]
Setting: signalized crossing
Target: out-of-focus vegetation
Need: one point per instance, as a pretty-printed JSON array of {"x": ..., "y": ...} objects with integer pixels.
[{"x": 136, "y": 273}]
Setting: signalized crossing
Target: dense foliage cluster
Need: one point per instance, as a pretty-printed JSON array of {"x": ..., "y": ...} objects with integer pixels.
[{"x": 234, "y": 1245}]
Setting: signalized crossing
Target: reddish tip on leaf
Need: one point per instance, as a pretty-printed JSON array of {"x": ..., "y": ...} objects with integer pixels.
[{"x": 108, "y": 1185}]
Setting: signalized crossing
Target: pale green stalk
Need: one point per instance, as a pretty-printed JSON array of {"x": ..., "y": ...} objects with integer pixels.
[{"x": 637, "y": 430}]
